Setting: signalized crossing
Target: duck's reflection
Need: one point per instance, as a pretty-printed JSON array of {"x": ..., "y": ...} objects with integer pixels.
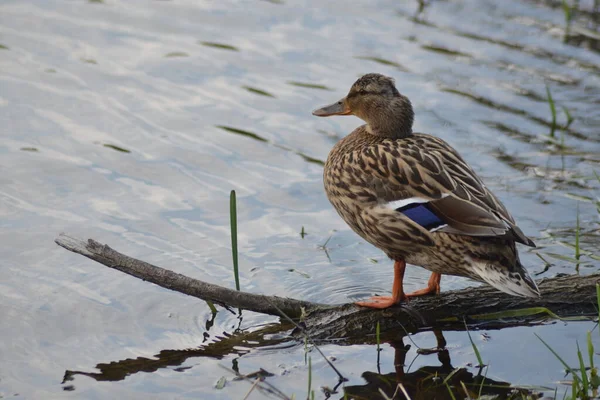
[{"x": 438, "y": 382}]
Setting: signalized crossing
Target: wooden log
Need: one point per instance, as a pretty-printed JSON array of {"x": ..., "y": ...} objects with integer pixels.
[
  {"x": 181, "y": 283},
  {"x": 563, "y": 296}
]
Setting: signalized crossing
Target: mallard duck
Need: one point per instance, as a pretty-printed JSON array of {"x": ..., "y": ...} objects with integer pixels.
[{"x": 414, "y": 197}]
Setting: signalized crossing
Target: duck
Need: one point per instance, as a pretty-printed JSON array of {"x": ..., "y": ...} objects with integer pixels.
[{"x": 414, "y": 197}]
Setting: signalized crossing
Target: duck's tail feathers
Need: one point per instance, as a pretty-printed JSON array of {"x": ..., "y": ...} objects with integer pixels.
[{"x": 517, "y": 282}]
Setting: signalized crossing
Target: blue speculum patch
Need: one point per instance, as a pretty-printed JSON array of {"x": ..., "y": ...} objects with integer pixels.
[{"x": 422, "y": 215}]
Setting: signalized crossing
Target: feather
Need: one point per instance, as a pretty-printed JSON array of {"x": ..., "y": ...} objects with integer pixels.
[
  {"x": 396, "y": 204},
  {"x": 419, "y": 211},
  {"x": 434, "y": 173},
  {"x": 422, "y": 215}
]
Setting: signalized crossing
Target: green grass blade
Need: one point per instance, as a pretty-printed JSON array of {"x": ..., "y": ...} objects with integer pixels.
[
  {"x": 594, "y": 378},
  {"x": 305, "y": 350},
  {"x": 598, "y": 300},
  {"x": 377, "y": 333},
  {"x": 584, "y": 378},
  {"x": 309, "y": 377},
  {"x": 552, "y": 111},
  {"x": 523, "y": 312},
  {"x": 483, "y": 381},
  {"x": 568, "y": 16},
  {"x": 212, "y": 307},
  {"x": 577, "y": 246},
  {"x": 464, "y": 387},
  {"x": 569, "y": 369},
  {"x": 590, "y": 347},
  {"x": 450, "y": 391},
  {"x": 450, "y": 375},
  {"x": 234, "y": 247},
  {"x": 382, "y": 393},
  {"x": 477, "y": 354},
  {"x": 570, "y": 118}
]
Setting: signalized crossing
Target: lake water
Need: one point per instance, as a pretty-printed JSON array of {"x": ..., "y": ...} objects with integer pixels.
[{"x": 130, "y": 121}]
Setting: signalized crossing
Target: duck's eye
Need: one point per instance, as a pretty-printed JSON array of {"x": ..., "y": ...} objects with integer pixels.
[{"x": 362, "y": 91}]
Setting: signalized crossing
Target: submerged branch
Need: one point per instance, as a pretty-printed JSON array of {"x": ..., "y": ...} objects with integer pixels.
[{"x": 563, "y": 296}]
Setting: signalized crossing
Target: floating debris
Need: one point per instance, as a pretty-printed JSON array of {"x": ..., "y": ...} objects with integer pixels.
[
  {"x": 242, "y": 132},
  {"x": 221, "y": 46},
  {"x": 444, "y": 50},
  {"x": 309, "y": 85},
  {"x": 255, "y": 136},
  {"x": 383, "y": 61},
  {"x": 304, "y": 274},
  {"x": 177, "y": 54},
  {"x": 117, "y": 148},
  {"x": 310, "y": 159},
  {"x": 258, "y": 91}
]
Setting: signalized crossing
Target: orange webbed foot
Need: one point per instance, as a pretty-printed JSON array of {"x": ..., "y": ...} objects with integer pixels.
[
  {"x": 433, "y": 286},
  {"x": 380, "y": 302},
  {"x": 397, "y": 292}
]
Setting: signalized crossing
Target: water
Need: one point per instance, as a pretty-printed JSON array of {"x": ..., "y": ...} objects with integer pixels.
[{"x": 130, "y": 122}]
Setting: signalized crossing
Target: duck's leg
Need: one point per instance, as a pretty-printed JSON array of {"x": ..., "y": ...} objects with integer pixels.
[
  {"x": 397, "y": 291},
  {"x": 433, "y": 286}
]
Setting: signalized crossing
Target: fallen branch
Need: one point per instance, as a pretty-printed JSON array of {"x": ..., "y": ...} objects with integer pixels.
[
  {"x": 181, "y": 283},
  {"x": 564, "y": 296}
]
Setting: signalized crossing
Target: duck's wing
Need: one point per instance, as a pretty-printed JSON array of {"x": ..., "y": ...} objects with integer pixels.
[{"x": 438, "y": 183}]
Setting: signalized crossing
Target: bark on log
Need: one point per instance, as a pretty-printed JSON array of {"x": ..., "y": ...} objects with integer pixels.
[{"x": 565, "y": 296}]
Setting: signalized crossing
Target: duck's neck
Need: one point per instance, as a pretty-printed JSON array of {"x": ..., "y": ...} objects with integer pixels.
[{"x": 392, "y": 119}]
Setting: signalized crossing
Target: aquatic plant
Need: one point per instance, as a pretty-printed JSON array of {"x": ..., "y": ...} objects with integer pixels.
[
  {"x": 552, "y": 111},
  {"x": 568, "y": 12},
  {"x": 585, "y": 380},
  {"x": 234, "y": 248}
]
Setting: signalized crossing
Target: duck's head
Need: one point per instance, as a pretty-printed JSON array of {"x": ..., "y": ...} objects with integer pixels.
[{"x": 374, "y": 99}]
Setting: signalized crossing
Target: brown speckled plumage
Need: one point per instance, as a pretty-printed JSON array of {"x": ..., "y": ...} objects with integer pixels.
[{"x": 384, "y": 161}]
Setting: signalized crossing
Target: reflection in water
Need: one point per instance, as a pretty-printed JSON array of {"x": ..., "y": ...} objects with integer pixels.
[
  {"x": 442, "y": 381},
  {"x": 439, "y": 382},
  {"x": 239, "y": 343}
]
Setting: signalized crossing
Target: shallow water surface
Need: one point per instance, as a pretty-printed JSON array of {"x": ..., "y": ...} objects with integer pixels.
[{"x": 130, "y": 121}]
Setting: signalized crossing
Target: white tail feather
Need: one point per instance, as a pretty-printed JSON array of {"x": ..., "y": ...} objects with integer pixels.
[
  {"x": 517, "y": 283},
  {"x": 396, "y": 204}
]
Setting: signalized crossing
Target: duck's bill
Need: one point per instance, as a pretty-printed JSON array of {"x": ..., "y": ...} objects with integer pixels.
[{"x": 337, "y": 108}]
